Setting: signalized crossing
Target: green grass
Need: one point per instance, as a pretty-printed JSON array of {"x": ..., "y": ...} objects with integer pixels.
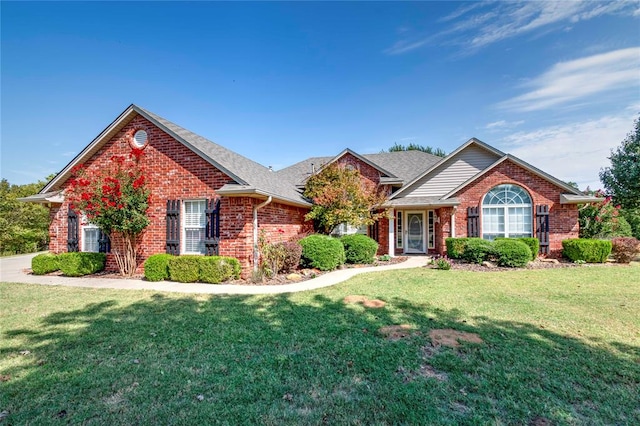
[{"x": 561, "y": 345}]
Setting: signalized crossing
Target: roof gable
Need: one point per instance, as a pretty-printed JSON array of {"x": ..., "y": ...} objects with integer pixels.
[{"x": 466, "y": 161}]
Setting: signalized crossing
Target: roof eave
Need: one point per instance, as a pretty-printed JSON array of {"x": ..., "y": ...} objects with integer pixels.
[
  {"x": 252, "y": 192},
  {"x": 579, "y": 199}
]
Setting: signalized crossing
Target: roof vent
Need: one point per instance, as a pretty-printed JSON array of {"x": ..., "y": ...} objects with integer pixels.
[{"x": 140, "y": 138}]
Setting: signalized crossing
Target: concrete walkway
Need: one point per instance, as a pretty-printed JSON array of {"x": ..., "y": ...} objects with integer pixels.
[{"x": 12, "y": 270}]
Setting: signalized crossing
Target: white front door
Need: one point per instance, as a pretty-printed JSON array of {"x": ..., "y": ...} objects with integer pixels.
[{"x": 415, "y": 232}]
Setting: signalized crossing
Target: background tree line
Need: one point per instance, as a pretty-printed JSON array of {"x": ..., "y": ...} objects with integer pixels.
[{"x": 24, "y": 227}]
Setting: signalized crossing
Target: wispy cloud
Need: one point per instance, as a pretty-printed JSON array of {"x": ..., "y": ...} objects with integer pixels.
[
  {"x": 478, "y": 25},
  {"x": 574, "y": 151},
  {"x": 503, "y": 124},
  {"x": 68, "y": 154},
  {"x": 575, "y": 80}
]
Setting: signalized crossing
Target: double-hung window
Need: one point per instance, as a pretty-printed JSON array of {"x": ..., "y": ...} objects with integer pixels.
[
  {"x": 90, "y": 238},
  {"x": 194, "y": 226}
]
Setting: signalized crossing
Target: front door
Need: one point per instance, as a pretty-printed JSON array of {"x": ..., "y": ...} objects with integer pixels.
[{"x": 415, "y": 232}]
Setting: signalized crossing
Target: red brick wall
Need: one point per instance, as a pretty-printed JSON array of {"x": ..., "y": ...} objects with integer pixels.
[
  {"x": 563, "y": 218},
  {"x": 175, "y": 172},
  {"x": 280, "y": 222}
]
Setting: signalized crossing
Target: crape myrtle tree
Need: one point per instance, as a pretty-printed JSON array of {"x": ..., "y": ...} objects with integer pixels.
[
  {"x": 342, "y": 195},
  {"x": 116, "y": 200}
]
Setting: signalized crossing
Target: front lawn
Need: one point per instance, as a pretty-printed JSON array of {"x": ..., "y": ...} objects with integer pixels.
[{"x": 558, "y": 346}]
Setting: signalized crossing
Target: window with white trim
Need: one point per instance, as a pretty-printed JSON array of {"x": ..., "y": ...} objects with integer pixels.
[
  {"x": 506, "y": 212},
  {"x": 90, "y": 237},
  {"x": 194, "y": 224},
  {"x": 431, "y": 222}
]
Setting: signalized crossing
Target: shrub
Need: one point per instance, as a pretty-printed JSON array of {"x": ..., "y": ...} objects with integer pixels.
[
  {"x": 384, "y": 258},
  {"x": 590, "y": 251},
  {"x": 455, "y": 247},
  {"x": 45, "y": 263},
  {"x": 625, "y": 249},
  {"x": 77, "y": 264},
  {"x": 477, "y": 250},
  {"x": 322, "y": 252},
  {"x": 359, "y": 248},
  {"x": 216, "y": 269},
  {"x": 293, "y": 253},
  {"x": 184, "y": 269},
  {"x": 156, "y": 267},
  {"x": 280, "y": 257},
  {"x": 532, "y": 242},
  {"x": 511, "y": 253},
  {"x": 442, "y": 263}
]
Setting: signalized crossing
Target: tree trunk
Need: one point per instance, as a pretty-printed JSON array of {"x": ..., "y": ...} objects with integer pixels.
[{"x": 123, "y": 247}]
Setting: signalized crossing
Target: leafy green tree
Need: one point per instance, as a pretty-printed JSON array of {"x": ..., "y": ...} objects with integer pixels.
[
  {"x": 417, "y": 147},
  {"x": 622, "y": 179},
  {"x": 342, "y": 195},
  {"x": 24, "y": 227}
]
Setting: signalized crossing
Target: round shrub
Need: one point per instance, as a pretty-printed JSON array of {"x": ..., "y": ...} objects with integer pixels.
[
  {"x": 215, "y": 269},
  {"x": 359, "y": 248},
  {"x": 455, "y": 247},
  {"x": 45, "y": 263},
  {"x": 322, "y": 252},
  {"x": 184, "y": 269},
  {"x": 511, "y": 253},
  {"x": 156, "y": 267},
  {"x": 477, "y": 250},
  {"x": 624, "y": 249},
  {"x": 586, "y": 250}
]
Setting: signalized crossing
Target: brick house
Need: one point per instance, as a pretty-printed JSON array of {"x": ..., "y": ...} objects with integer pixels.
[{"x": 208, "y": 199}]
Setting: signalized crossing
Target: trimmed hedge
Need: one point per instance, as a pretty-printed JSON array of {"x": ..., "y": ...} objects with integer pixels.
[
  {"x": 45, "y": 263},
  {"x": 532, "y": 242},
  {"x": 77, "y": 264},
  {"x": 586, "y": 250},
  {"x": 477, "y": 250},
  {"x": 512, "y": 253},
  {"x": 455, "y": 247},
  {"x": 359, "y": 248},
  {"x": 207, "y": 269},
  {"x": 156, "y": 267},
  {"x": 184, "y": 269},
  {"x": 322, "y": 252}
]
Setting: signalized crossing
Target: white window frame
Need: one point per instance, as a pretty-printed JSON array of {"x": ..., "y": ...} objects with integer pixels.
[
  {"x": 88, "y": 226},
  {"x": 505, "y": 211},
  {"x": 431, "y": 229},
  {"x": 184, "y": 227},
  {"x": 399, "y": 234}
]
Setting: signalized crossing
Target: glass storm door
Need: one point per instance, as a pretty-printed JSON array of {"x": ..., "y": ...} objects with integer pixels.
[{"x": 415, "y": 232}]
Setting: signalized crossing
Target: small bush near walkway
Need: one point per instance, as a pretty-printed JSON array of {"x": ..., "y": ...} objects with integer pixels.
[
  {"x": 322, "y": 252},
  {"x": 216, "y": 269},
  {"x": 586, "y": 250},
  {"x": 455, "y": 247},
  {"x": 77, "y": 264},
  {"x": 45, "y": 263},
  {"x": 532, "y": 242},
  {"x": 156, "y": 267},
  {"x": 625, "y": 249},
  {"x": 477, "y": 250},
  {"x": 359, "y": 248},
  {"x": 511, "y": 253},
  {"x": 184, "y": 269}
]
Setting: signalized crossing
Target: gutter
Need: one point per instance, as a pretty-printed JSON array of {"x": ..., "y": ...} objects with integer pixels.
[{"x": 256, "y": 250}]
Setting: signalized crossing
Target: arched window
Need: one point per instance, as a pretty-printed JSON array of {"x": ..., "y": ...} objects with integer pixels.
[{"x": 506, "y": 212}]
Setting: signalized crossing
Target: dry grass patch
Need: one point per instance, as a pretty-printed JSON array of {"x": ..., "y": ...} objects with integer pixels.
[
  {"x": 450, "y": 337},
  {"x": 366, "y": 302},
  {"x": 397, "y": 332}
]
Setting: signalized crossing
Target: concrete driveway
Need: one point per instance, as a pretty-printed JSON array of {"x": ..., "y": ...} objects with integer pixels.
[{"x": 15, "y": 269}]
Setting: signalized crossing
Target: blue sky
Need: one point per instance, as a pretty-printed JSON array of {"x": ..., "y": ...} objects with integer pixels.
[{"x": 554, "y": 83}]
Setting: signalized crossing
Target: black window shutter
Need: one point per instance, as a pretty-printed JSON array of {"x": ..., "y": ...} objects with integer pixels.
[
  {"x": 173, "y": 227},
  {"x": 72, "y": 231},
  {"x": 542, "y": 227},
  {"x": 473, "y": 225},
  {"x": 374, "y": 231},
  {"x": 104, "y": 243},
  {"x": 212, "y": 231}
]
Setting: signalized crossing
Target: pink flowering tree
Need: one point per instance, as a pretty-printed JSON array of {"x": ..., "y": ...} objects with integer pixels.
[
  {"x": 116, "y": 200},
  {"x": 602, "y": 219}
]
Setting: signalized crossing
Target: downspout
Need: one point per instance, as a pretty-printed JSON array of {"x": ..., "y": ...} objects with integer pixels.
[
  {"x": 453, "y": 222},
  {"x": 256, "y": 250}
]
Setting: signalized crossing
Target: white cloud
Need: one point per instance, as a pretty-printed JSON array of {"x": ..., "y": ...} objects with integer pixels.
[
  {"x": 503, "y": 124},
  {"x": 568, "y": 81},
  {"x": 68, "y": 154},
  {"x": 481, "y": 24},
  {"x": 575, "y": 151}
]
